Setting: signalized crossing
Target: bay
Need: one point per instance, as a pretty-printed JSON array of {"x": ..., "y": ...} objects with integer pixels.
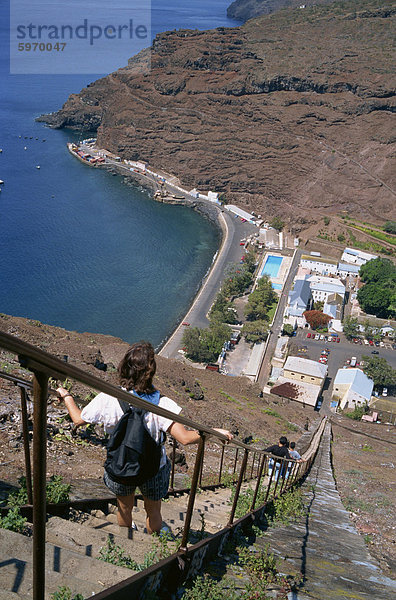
[{"x": 78, "y": 248}]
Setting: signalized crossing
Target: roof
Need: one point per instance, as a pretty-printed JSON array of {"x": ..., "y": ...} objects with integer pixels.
[
  {"x": 305, "y": 366},
  {"x": 314, "y": 258},
  {"x": 360, "y": 383},
  {"x": 329, "y": 287},
  {"x": 296, "y": 390},
  {"x": 346, "y": 267},
  {"x": 301, "y": 292},
  {"x": 359, "y": 253},
  {"x": 330, "y": 310},
  {"x": 334, "y": 299}
]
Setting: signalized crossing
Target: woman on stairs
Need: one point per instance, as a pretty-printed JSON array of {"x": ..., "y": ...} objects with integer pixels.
[{"x": 136, "y": 371}]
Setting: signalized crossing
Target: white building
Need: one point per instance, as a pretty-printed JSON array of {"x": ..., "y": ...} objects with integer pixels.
[
  {"x": 323, "y": 287},
  {"x": 317, "y": 264},
  {"x": 351, "y": 388},
  {"x": 356, "y": 257}
]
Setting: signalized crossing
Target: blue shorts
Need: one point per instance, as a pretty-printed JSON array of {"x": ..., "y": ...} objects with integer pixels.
[{"x": 155, "y": 488}]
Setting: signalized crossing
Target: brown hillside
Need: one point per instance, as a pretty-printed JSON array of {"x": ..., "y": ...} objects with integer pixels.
[{"x": 290, "y": 113}]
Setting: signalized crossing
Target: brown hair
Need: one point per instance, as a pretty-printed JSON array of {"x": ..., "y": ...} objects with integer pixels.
[{"x": 137, "y": 368}]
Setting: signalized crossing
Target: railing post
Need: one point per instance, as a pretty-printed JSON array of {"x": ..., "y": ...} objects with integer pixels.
[
  {"x": 172, "y": 477},
  {"x": 260, "y": 473},
  {"x": 270, "y": 479},
  {"x": 193, "y": 491},
  {"x": 253, "y": 461},
  {"x": 277, "y": 461},
  {"x": 26, "y": 447},
  {"x": 236, "y": 459},
  {"x": 238, "y": 487},
  {"x": 221, "y": 462},
  {"x": 40, "y": 395},
  {"x": 202, "y": 463}
]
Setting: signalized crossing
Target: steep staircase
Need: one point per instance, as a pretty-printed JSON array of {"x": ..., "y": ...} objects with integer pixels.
[{"x": 73, "y": 544}]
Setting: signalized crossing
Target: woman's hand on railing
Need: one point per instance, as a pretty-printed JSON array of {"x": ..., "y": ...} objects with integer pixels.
[{"x": 225, "y": 432}]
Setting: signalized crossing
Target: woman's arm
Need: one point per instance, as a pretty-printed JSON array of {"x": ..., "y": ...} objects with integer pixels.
[
  {"x": 186, "y": 437},
  {"x": 72, "y": 408}
]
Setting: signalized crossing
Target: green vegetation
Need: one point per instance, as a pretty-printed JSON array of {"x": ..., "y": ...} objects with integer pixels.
[
  {"x": 351, "y": 327},
  {"x": 326, "y": 220},
  {"x": 390, "y": 227},
  {"x": 13, "y": 520},
  {"x": 255, "y": 331},
  {"x": 378, "y": 295},
  {"x": 65, "y": 593},
  {"x": 261, "y": 300},
  {"x": 205, "y": 345},
  {"x": 356, "y": 414},
  {"x": 379, "y": 371},
  {"x": 287, "y": 329},
  {"x": 277, "y": 223}
]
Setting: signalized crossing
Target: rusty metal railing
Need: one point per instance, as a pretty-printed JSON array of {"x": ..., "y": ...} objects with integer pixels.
[{"x": 43, "y": 366}]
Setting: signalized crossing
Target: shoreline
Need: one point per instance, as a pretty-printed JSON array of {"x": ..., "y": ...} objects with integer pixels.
[{"x": 165, "y": 185}]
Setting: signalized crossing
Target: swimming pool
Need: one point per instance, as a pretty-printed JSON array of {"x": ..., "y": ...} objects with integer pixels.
[
  {"x": 271, "y": 266},
  {"x": 277, "y": 286}
]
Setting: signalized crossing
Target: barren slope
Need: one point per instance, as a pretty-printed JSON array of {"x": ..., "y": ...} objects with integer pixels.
[{"x": 290, "y": 113}]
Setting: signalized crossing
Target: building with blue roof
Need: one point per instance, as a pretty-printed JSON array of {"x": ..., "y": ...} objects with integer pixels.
[{"x": 352, "y": 388}]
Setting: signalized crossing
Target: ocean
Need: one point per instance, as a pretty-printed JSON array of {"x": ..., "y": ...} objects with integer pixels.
[{"x": 79, "y": 248}]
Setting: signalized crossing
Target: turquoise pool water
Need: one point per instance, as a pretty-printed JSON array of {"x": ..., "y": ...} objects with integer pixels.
[
  {"x": 271, "y": 266},
  {"x": 277, "y": 286}
]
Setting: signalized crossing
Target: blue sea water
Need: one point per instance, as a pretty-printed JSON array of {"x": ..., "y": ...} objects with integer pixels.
[{"x": 78, "y": 248}]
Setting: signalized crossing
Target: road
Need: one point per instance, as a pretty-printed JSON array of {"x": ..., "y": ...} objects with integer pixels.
[
  {"x": 230, "y": 252},
  {"x": 276, "y": 328}
]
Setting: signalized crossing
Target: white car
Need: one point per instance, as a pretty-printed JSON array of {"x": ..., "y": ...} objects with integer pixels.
[
  {"x": 385, "y": 391},
  {"x": 317, "y": 336},
  {"x": 366, "y": 342}
]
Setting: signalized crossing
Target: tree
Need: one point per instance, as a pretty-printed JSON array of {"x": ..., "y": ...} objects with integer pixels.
[
  {"x": 255, "y": 331},
  {"x": 277, "y": 223},
  {"x": 376, "y": 299},
  {"x": 377, "y": 269},
  {"x": 379, "y": 371},
  {"x": 316, "y": 319},
  {"x": 390, "y": 227},
  {"x": 288, "y": 329},
  {"x": 205, "y": 345},
  {"x": 260, "y": 300},
  {"x": 249, "y": 261},
  {"x": 237, "y": 279},
  {"x": 351, "y": 327},
  {"x": 220, "y": 310},
  {"x": 326, "y": 220}
]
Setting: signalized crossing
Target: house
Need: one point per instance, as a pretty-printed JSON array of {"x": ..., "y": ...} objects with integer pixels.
[
  {"x": 302, "y": 380},
  {"x": 345, "y": 270},
  {"x": 333, "y": 306},
  {"x": 304, "y": 369},
  {"x": 356, "y": 257},
  {"x": 300, "y": 299},
  {"x": 323, "y": 287},
  {"x": 317, "y": 264},
  {"x": 351, "y": 388}
]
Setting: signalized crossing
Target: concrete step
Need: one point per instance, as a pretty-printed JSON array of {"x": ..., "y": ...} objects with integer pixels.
[
  {"x": 87, "y": 573},
  {"x": 88, "y": 538}
]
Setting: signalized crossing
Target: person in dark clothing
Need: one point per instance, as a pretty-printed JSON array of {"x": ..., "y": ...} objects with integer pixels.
[{"x": 280, "y": 449}]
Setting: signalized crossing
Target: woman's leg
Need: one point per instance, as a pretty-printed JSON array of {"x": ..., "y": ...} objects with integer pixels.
[
  {"x": 154, "y": 517},
  {"x": 125, "y": 505}
]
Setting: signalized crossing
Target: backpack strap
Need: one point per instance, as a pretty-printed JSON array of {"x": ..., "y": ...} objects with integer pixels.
[{"x": 125, "y": 406}]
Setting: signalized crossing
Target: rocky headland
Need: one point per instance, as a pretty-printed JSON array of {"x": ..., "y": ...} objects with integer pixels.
[
  {"x": 289, "y": 114},
  {"x": 243, "y": 10}
]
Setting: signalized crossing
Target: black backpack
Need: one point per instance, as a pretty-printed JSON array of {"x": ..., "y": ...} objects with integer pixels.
[{"x": 133, "y": 456}]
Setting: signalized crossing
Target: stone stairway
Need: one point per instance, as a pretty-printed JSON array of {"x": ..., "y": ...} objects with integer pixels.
[{"x": 73, "y": 545}]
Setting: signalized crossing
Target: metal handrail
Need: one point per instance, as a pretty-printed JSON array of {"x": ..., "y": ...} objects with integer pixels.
[{"x": 43, "y": 366}]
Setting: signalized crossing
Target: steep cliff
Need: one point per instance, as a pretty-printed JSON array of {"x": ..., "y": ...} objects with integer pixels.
[{"x": 289, "y": 114}]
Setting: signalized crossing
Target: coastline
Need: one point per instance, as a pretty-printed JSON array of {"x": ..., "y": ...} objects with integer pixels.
[{"x": 164, "y": 185}]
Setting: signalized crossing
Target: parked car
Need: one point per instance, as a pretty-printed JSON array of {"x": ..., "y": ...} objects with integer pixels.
[
  {"x": 321, "y": 337},
  {"x": 374, "y": 352},
  {"x": 385, "y": 391},
  {"x": 366, "y": 342},
  {"x": 308, "y": 335},
  {"x": 338, "y": 340},
  {"x": 317, "y": 336}
]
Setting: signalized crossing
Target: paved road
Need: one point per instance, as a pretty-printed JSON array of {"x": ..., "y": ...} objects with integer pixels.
[
  {"x": 277, "y": 325},
  {"x": 230, "y": 252}
]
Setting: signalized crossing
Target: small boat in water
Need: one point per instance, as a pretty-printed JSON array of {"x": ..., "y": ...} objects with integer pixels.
[{"x": 37, "y": 166}]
